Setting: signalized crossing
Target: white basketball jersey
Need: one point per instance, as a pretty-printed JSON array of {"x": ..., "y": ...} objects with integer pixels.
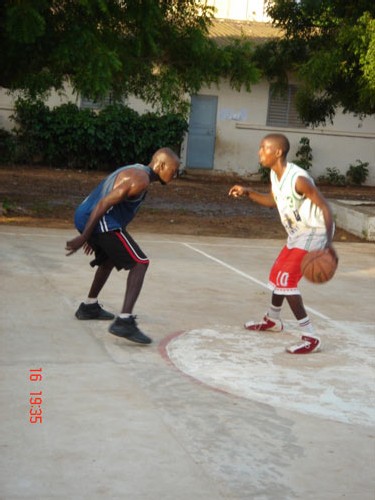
[{"x": 303, "y": 221}]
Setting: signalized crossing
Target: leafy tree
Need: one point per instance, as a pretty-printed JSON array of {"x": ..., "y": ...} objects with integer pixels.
[
  {"x": 158, "y": 50},
  {"x": 330, "y": 45}
]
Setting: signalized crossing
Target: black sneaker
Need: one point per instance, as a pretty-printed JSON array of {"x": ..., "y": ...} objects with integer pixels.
[
  {"x": 127, "y": 328},
  {"x": 93, "y": 311}
]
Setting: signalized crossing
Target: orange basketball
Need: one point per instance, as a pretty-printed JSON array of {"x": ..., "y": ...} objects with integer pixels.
[{"x": 318, "y": 266}]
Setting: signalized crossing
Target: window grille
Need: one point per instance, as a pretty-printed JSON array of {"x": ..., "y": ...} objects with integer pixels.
[
  {"x": 282, "y": 111},
  {"x": 90, "y": 104}
]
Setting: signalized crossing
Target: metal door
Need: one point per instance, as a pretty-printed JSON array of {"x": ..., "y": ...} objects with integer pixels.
[{"x": 202, "y": 132}]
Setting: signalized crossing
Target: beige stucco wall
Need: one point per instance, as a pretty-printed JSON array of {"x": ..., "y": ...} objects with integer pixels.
[
  {"x": 6, "y": 109},
  {"x": 243, "y": 10},
  {"x": 7, "y": 103},
  {"x": 241, "y": 124}
]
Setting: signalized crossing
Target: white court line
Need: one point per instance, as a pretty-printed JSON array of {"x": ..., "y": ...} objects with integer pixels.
[
  {"x": 247, "y": 276},
  {"x": 226, "y": 245}
]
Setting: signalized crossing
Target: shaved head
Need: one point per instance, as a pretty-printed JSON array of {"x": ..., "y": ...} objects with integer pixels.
[
  {"x": 164, "y": 155},
  {"x": 280, "y": 142},
  {"x": 165, "y": 163}
]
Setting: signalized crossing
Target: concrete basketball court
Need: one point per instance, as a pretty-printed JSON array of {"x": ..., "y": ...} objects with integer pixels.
[{"x": 209, "y": 411}]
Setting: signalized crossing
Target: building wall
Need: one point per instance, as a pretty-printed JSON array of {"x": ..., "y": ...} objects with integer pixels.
[
  {"x": 240, "y": 10},
  {"x": 241, "y": 124},
  {"x": 7, "y": 104},
  {"x": 6, "y": 109}
]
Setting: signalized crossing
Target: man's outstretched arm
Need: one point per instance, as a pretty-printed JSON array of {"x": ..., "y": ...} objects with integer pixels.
[{"x": 265, "y": 199}]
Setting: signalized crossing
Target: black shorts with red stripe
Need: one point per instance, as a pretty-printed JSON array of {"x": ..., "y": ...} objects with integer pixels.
[{"x": 118, "y": 247}]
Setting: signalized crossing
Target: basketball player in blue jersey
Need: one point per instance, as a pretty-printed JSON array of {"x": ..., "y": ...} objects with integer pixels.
[
  {"x": 307, "y": 219},
  {"x": 101, "y": 220}
]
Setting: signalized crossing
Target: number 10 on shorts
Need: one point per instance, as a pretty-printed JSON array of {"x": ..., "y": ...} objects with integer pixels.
[{"x": 282, "y": 279}]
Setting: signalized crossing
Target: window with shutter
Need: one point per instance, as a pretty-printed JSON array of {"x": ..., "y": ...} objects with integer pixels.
[
  {"x": 282, "y": 111},
  {"x": 89, "y": 104}
]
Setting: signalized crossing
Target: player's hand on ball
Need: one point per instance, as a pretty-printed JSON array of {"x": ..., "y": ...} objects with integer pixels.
[{"x": 332, "y": 251}]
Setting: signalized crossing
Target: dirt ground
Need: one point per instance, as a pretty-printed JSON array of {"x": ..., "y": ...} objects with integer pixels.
[{"x": 194, "y": 204}]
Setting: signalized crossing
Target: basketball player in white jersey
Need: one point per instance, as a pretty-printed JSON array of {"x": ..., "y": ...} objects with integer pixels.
[{"x": 308, "y": 221}]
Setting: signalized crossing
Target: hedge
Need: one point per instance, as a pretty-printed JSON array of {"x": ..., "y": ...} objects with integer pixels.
[{"x": 70, "y": 137}]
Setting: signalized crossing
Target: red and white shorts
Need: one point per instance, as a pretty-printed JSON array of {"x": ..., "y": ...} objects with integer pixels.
[{"x": 286, "y": 272}]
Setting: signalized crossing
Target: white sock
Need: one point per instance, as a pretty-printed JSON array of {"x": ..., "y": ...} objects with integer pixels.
[
  {"x": 91, "y": 301},
  {"x": 124, "y": 315},
  {"x": 306, "y": 326},
  {"x": 274, "y": 312}
]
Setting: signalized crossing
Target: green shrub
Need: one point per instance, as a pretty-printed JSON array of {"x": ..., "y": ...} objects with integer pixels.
[
  {"x": 7, "y": 146},
  {"x": 264, "y": 174},
  {"x": 72, "y": 137},
  {"x": 32, "y": 130},
  {"x": 333, "y": 177},
  {"x": 357, "y": 174},
  {"x": 117, "y": 133},
  {"x": 304, "y": 154},
  {"x": 80, "y": 138},
  {"x": 157, "y": 131}
]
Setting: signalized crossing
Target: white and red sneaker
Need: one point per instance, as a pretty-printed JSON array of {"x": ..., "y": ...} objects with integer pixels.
[
  {"x": 309, "y": 344},
  {"x": 266, "y": 325}
]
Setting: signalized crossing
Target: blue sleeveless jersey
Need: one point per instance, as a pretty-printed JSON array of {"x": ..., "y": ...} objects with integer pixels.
[{"x": 118, "y": 216}]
